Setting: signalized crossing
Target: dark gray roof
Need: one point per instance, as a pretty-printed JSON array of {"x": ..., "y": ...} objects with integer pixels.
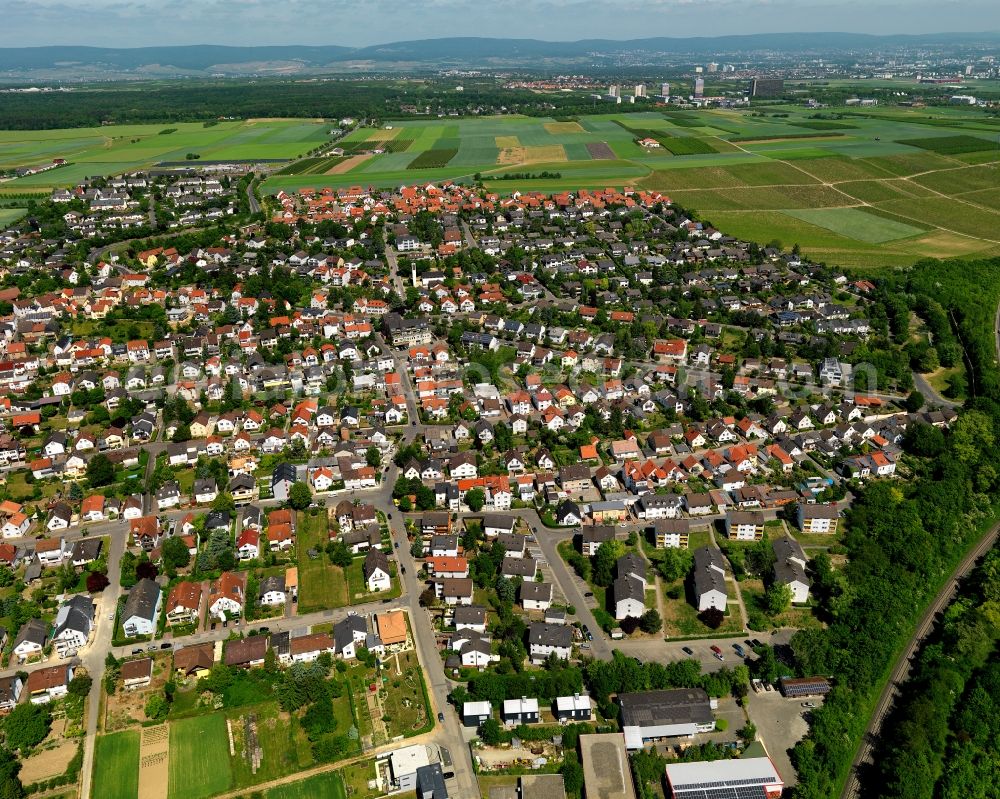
[
  {"x": 76, "y": 614},
  {"x": 631, "y": 564},
  {"x": 34, "y": 630},
  {"x": 656, "y": 708},
  {"x": 539, "y": 592},
  {"x": 273, "y": 583},
  {"x": 470, "y": 614},
  {"x": 628, "y": 588},
  {"x": 543, "y": 634},
  {"x": 430, "y": 782},
  {"x": 142, "y": 600},
  {"x": 375, "y": 559},
  {"x": 518, "y": 567},
  {"x": 706, "y": 577}
]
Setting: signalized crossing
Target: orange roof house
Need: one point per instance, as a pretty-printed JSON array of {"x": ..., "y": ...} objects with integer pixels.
[{"x": 391, "y": 627}]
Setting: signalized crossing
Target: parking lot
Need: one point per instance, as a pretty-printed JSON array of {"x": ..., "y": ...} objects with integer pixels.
[{"x": 781, "y": 723}]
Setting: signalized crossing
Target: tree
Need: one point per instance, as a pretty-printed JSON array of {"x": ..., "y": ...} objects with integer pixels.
[
  {"x": 650, "y": 621},
  {"x": 748, "y": 733},
  {"x": 676, "y": 563},
  {"x": 80, "y": 685},
  {"x": 914, "y": 401},
  {"x": 373, "y": 457},
  {"x": 26, "y": 726},
  {"x": 490, "y": 732},
  {"x": 572, "y": 774},
  {"x": 505, "y": 590},
  {"x": 175, "y": 554},
  {"x": 300, "y": 495},
  {"x": 10, "y": 767},
  {"x": 100, "y": 471},
  {"x": 157, "y": 707},
  {"x": 417, "y": 547},
  {"x": 606, "y": 557},
  {"x": 712, "y": 617},
  {"x": 475, "y": 499},
  {"x": 182, "y": 433},
  {"x": 778, "y": 599},
  {"x": 145, "y": 570},
  {"x": 340, "y": 554}
]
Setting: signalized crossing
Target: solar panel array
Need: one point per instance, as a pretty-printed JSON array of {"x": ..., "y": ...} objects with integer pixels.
[
  {"x": 743, "y": 788},
  {"x": 732, "y": 792}
]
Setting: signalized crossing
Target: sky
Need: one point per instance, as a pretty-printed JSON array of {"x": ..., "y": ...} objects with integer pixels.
[{"x": 136, "y": 23}]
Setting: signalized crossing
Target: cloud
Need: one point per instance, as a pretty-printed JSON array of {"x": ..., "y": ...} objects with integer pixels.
[{"x": 131, "y": 23}]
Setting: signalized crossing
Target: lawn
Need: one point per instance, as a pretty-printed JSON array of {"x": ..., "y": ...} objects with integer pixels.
[
  {"x": 284, "y": 744},
  {"x": 10, "y": 215},
  {"x": 328, "y": 785},
  {"x": 116, "y": 765},
  {"x": 357, "y": 591},
  {"x": 199, "y": 757},
  {"x": 322, "y": 585},
  {"x": 356, "y": 777},
  {"x": 856, "y": 224},
  {"x": 112, "y": 149}
]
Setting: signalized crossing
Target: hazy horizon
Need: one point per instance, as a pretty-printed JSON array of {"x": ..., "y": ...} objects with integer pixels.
[{"x": 143, "y": 23}]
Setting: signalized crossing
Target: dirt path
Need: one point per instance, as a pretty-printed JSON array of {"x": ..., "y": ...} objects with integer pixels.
[{"x": 154, "y": 760}]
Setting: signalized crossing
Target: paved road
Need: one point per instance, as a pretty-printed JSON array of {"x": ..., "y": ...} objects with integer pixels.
[
  {"x": 931, "y": 394},
  {"x": 252, "y": 198}
]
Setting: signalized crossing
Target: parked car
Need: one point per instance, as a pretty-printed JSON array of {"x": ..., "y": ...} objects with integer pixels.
[
  {"x": 588, "y": 595},
  {"x": 137, "y": 651},
  {"x": 440, "y": 716},
  {"x": 808, "y": 704},
  {"x": 740, "y": 650},
  {"x": 167, "y": 645},
  {"x": 715, "y": 649},
  {"x": 151, "y": 648},
  {"x": 687, "y": 651}
]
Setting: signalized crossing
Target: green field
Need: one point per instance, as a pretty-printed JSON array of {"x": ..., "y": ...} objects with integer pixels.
[
  {"x": 857, "y": 224},
  {"x": 11, "y": 215},
  {"x": 113, "y": 149},
  {"x": 931, "y": 172},
  {"x": 322, "y": 584},
  {"x": 328, "y": 785},
  {"x": 199, "y": 757},
  {"x": 116, "y": 765}
]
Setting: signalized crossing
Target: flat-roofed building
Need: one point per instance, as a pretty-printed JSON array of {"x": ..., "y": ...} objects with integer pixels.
[
  {"x": 745, "y": 778},
  {"x": 652, "y": 715},
  {"x": 606, "y": 772}
]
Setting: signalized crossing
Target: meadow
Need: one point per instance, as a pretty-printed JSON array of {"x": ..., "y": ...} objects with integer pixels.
[
  {"x": 116, "y": 765},
  {"x": 112, "y": 149},
  {"x": 200, "y": 765},
  {"x": 856, "y": 187}
]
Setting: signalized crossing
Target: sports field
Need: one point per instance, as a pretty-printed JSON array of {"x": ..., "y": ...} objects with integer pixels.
[
  {"x": 112, "y": 149},
  {"x": 852, "y": 186},
  {"x": 116, "y": 765}
]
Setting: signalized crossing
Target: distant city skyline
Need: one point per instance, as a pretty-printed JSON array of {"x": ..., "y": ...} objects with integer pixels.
[{"x": 136, "y": 23}]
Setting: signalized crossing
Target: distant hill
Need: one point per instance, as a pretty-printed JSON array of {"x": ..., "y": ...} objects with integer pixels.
[{"x": 82, "y": 62}]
